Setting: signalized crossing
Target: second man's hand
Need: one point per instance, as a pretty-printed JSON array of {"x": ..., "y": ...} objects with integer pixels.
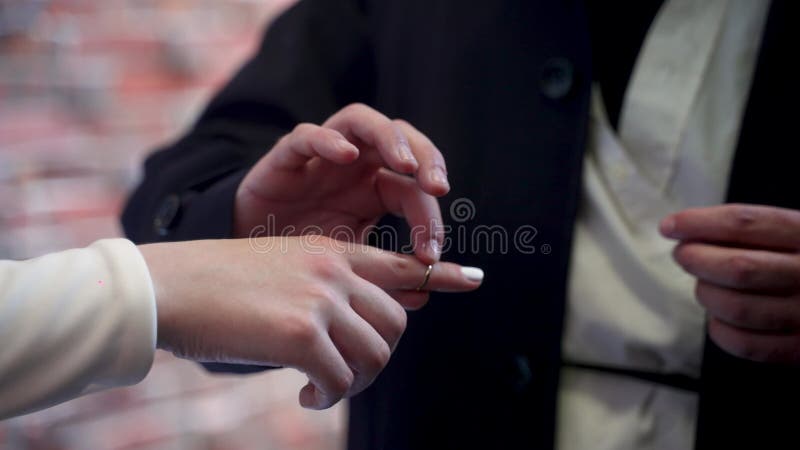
[
  {"x": 747, "y": 262},
  {"x": 344, "y": 176}
]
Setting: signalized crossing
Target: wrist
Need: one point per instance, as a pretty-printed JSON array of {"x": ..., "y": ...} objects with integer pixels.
[{"x": 160, "y": 260}]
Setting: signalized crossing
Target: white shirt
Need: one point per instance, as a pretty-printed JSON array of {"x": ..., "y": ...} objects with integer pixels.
[
  {"x": 628, "y": 304},
  {"x": 72, "y": 323}
]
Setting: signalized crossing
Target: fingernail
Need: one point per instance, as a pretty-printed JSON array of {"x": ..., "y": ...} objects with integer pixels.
[
  {"x": 347, "y": 147},
  {"x": 438, "y": 176},
  {"x": 436, "y": 249},
  {"x": 472, "y": 273},
  {"x": 404, "y": 152},
  {"x": 345, "y": 144},
  {"x": 668, "y": 227}
]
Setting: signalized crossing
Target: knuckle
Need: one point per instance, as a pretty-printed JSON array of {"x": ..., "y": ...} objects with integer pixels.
[
  {"x": 742, "y": 269},
  {"x": 398, "y": 320},
  {"x": 743, "y": 218},
  {"x": 340, "y": 383},
  {"x": 438, "y": 158},
  {"x": 355, "y": 108},
  {"x": 390, "y": 128},
  {"x": 738, "y": 312},
  {"x": 399, "y": 266},
  {"x": 302, "y": 329},
  {"x": 401, "y": 123},
  {"x": 380, "y": 357},
  {"x": 303, "y": 128},
  {"x": 327, "y": 267},
  {"x": 324, "y": 268},
  {"x": 324, "y": 297}
]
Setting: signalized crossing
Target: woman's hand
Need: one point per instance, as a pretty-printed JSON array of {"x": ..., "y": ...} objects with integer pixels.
[
  {"x": 349, "y": 172},
  {"x": 331, "y": 309}
]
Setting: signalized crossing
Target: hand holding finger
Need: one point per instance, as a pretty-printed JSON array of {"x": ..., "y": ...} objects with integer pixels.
[
  {"x": 397, "y": 272},
  {"x": 404, "y": 198}
]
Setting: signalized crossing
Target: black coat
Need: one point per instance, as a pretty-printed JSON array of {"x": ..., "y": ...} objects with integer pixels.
[{"x": 502, "y": 88}]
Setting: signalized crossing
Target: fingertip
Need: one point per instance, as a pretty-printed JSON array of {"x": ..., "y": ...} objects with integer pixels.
[
  {"x": 434, "y": 249},
  {"x": 407, "y": 162},
  {"x": 313, "y": 398},
  {"x": 679, "y": 254},
  {"x": 428, "y": 252},
  {"x": 437, "y": 183},
  {"x": 405, "y": 166},
  {"x": 347, "y": 151},
  {"x": 473, "y": 274},
  {"x": 435, "y": 189},
  {"x": 667, "y": 227},
  {"x": 307, "y": 396}
]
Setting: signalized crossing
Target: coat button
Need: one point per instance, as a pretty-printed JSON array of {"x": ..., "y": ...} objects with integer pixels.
[
  {"x": 556, "y": 78},
  {"x": 166, "y": 214}
]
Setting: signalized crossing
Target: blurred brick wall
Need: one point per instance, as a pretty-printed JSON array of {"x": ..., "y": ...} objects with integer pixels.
[{"x": 87, "y": 89}]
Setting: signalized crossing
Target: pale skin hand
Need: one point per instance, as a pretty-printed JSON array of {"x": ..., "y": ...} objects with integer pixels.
[
  {"x": 332, "y": 311},
  {"x": 349, "y": 172},
  {"x": 747, "y": 262}
]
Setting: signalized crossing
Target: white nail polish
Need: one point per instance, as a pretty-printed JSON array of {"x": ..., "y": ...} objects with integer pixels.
[
  {"x": 435, "y": 248},
  {"x": 472, "y": 273}
]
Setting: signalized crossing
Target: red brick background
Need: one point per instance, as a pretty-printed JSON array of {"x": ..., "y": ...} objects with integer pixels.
[{"x": 87, "y": 89}]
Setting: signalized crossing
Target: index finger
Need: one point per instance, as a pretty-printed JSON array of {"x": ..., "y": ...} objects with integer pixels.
[
  {"x": 747, "y": 225},
  {"x": 376, "y": 130},
  {"x": 432, "y": 173}
]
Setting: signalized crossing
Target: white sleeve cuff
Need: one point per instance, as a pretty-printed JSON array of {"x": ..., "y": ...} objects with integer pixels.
[
  {"x": 134, "y": 296},
  {"x": 74, "y": 322}
]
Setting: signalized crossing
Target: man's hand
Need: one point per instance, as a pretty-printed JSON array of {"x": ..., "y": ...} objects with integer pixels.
[
  {"x": 332, "y": 310},
  {"x": 347, "y": 173},
  {"x": 747, "y": 266}
]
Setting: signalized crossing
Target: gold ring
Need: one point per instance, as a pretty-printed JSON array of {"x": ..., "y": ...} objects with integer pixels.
[{"x": 427, "y": 277}]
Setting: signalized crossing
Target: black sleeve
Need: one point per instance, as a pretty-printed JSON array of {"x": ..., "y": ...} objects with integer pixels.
[{"x": 315, "y": 59}]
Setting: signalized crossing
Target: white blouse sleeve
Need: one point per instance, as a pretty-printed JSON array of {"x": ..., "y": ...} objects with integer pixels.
[{"x": 72, "y": 323}]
